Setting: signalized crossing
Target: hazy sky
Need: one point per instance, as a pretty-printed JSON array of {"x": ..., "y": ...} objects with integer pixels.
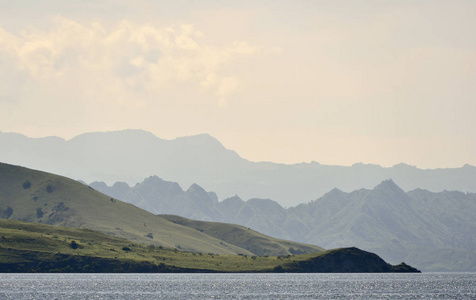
[{"x": 337, "y": 82}]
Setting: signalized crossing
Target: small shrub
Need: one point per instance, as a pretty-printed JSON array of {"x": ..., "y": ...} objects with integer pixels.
[
  {"x": 127, "y": 249},
  {"x": 60, "y": 207},
  {"x": 150, "y": 235},
  {"x": 26, "y": 185},
  {"x": 39, "y": 213},
  {"x": 7, "y": 213},
  {"x": 74, "y": 245},
  {"x": 49, "y": 188}
]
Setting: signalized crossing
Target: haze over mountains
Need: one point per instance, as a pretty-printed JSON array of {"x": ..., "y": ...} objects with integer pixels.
[
  {"x": 39, "y": 197},
  {"x": 434, "y": 231},
  {"x": 431, "y": 225},
  {"x": 132, "y": 155}
]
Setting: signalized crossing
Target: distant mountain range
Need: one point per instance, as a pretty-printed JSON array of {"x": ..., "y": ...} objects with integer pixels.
[
  {"x": 83, "y": 230},
  {"x": 39, "y": 197},
  {"x": 434, "y": 231},
  {"x": 132, "y": 155}
]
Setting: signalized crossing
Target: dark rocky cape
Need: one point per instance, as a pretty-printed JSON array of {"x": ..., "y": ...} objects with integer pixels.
[{"x": 349, "y": 260}]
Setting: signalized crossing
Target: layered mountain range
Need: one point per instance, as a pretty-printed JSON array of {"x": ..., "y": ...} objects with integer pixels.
[
  {"x": 427, "y": 220},
  {"x": 55, "y": 224},
  {"x": 39, "y": 197},
  {"x": 132, "y": 155},
  {"x": 434, "y": 231}
]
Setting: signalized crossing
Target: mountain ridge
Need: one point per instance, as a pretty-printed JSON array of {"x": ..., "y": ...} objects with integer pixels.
[
  {"x": 395, "y": 224},
  {"x": 132, "y": 155}
]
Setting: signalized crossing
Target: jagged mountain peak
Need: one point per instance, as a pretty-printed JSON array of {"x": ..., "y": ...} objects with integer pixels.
[
  {"x": 154, "y": 183},
  {"x": 233, "y": 199},
  {"x": 335, "y": 191},
  {"x": 388, "y": 185},
  {"x": 195, "y": 188},
  {"x": 153, "y": 179},
  {"x": 198, "y": 192}
]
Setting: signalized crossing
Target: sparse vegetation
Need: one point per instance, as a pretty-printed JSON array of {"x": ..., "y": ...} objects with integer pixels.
[
  {"x": 49, "y": 188},
  {"x": 74, "y": 245},
  {"x": 7, "y": 213},
  {"x": 31, "y": 247},
  {"x": 26, "y": 184}
]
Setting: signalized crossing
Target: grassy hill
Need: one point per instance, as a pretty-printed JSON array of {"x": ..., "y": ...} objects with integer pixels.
[
  {"x": 39, "y": 197},
  {"x": 33, "y": 247},
  {"x": 243, "y": 237}
]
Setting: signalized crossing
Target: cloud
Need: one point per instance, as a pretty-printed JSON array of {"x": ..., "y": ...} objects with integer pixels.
[{"x": 123, "y": 61}]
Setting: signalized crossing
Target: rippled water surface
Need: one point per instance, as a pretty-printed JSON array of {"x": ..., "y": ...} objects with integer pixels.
[{"x": 238, "y": 286}]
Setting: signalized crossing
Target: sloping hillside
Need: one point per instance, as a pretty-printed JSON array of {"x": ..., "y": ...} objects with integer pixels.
[
  {"x": 243, "y": 237},
  {"x": 34, "y": 196},
  {"x": 33, "y": 247}
]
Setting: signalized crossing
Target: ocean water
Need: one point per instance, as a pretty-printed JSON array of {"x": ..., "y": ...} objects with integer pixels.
[{"x": 238, "y": 286}]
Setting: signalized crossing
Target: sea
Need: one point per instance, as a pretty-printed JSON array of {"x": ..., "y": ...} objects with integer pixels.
[{"x": 238, "y": 286}]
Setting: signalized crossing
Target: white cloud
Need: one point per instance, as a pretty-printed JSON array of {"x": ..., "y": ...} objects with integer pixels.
[
  {"x": 128, "y": 57},
  {"x": 227, "y": 87}
]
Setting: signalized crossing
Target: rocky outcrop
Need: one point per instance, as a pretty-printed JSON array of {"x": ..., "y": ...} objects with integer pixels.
[{"x": 347, "y": 260}]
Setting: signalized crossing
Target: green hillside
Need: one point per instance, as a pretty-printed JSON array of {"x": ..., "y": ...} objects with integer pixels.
[
  {"x": 33, "y": 247},
  {"x": 27, "y": 247},
  {"x": 243, "y": 237},
  {"x": 39, "y": 197}
]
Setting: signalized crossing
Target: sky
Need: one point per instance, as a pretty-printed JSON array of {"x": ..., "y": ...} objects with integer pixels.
[{"x": 337, "y": 82}]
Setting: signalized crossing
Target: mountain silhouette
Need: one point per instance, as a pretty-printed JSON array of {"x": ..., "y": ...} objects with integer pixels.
[
  {"x": 434, "y": 231},
  {"x": 132, "y": 155}
]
